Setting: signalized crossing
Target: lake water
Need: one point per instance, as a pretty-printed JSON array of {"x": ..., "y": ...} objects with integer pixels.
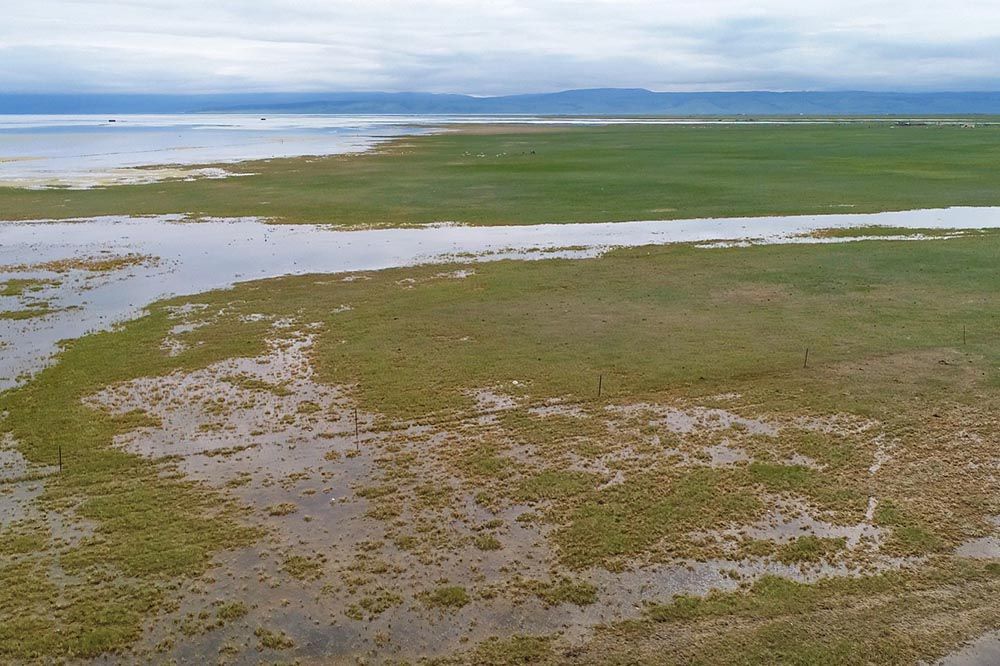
[
  {"x": 193, "y": 257},
  {"x": 90, "y": 151}
]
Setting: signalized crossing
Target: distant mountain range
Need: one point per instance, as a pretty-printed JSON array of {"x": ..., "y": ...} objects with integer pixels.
[{"x": 597, "y": 101}]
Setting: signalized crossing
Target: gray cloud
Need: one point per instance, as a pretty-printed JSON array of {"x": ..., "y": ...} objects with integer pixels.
[{"x": 496, "y": 47}]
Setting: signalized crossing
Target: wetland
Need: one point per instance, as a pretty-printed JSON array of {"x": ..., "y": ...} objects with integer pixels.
[{"x": 723, "y": 440}]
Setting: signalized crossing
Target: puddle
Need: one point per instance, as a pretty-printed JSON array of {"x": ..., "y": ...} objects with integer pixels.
[
  {"x": 196, "y": 257},
  {"x": 882, "y": 454},
  {"x": 722, "y": 455},
  {"x": 489, "y": 400},
  {"x": 835, "y": 424},
  {"x": 21, "y": 483},
  {"x": 983, "y": 548},
  {"x": 18, "y": 488},
  {"x": 788, "y": 521},
  {"x": 684, "y": 421},
  {"x": 987, "y": 547},
  {"x": 984, "y": 651},
  {"x": 13, "y": 465},
  {"x": 557, "y": 410}
]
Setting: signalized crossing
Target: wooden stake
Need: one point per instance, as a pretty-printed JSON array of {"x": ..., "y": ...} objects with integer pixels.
[
  {"x": 600, "y": 385},
  {"x": 805, "y": 363}
]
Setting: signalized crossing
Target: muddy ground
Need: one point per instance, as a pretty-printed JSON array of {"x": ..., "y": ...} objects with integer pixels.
[{"x": 380, "y": 542}]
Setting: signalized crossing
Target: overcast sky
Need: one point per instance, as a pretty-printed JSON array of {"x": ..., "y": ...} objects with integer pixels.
[{"x": 497, "y": 47}]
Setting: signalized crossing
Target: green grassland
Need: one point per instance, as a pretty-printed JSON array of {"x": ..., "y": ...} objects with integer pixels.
[
  {"x": 883, "y": 321},
  {"x": 514, "y": 176}
]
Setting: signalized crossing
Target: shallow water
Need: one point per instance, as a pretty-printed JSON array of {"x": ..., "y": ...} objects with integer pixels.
[
  {"x": 79, "y": 152},
  {"x": 984, "y": 651},
  {"x": 227, "y": 426},
  {"x": 193, "y": 257}
]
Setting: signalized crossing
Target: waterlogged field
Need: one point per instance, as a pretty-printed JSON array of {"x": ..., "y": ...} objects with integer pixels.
[
  {"x": 668, "y": 454},
  {"x": 525, "y": 175}
]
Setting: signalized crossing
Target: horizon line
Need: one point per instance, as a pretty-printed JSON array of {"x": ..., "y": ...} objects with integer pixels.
[{"x": 517, "y": 94}]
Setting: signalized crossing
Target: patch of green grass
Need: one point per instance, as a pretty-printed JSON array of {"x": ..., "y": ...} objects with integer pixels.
[
  {"x": 486, "y": 463},
  {"x": 564, "y": 590},
  {"x": 656, "y": 328},
  {"x": 304, "y": 568},
  {"x": 580, "y": 175},
  {"x": 232, "y": 610},
  {"x": 514, "y": 650},
  {"x": 810, "y": 549},
  {"x": 845, "y": 453},
  {"x": 627, "y": 519},
  {"x": 22, "y": 286},
  {"x": 282, "y": 509},
  {"x": 830, "y": 493},
  {"x": 89, "y": 620},
  {"x": 40, "y": 309},
  {"x": 376, "y": 492},
  {"x": 782, "y": 478},
  {"x": 195, "y": 624},
  {"x": 551, "y": 430},
  {"x": 487, "y": 542},
  {"x": 555, "y": 484},
  {"x": 445, "y": 596},
  {"x": 910, "y": 535},
  {"x": 23, "y": 539},
  {"x": 272, "y": 640},
  {"x": 100, "y": 263},
  {"x": 756, "y": 548},
  {"x": 433, "y": 495},
  {"x": 374, "y": 604},
  {"x": 773, "y": 596}
]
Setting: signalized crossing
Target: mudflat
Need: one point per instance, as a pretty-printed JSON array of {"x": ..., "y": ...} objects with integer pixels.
[{"x": 631, "y": 457}]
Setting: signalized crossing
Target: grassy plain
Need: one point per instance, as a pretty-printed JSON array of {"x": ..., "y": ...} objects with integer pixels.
[
  {"x": 672, "y": 325},
  {"x": 512, "y": 176}
]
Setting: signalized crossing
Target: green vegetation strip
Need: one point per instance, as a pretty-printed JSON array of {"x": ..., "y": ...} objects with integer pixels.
[
  {"x": 23, "y": 286},
  {"x": 40, "y": 310},
  {"x": 512, "y": 176}
]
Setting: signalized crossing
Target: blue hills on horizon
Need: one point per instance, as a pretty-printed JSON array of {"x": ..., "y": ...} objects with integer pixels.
[{"x": 593, "y": 101}]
